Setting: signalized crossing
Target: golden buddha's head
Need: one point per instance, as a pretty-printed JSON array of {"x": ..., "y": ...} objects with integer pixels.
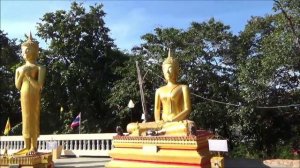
[
  {"x": 30, "y": 49},
  {"x": 170, "y": 68}
]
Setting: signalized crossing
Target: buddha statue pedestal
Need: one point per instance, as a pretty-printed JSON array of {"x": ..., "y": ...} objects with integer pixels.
[
  {"x": 38, "y": 160},
  {"x": 161, "y": 151}
]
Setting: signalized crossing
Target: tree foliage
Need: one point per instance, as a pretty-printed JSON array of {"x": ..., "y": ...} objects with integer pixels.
[
  {"x": 81, "y": 60},
  {"x": 9, "y": 58}
]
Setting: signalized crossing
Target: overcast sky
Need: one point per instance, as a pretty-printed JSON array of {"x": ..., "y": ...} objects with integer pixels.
[{"x": 129, "y": 20}]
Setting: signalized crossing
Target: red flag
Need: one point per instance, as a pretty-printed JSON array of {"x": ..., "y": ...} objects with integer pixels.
[{"x": 76, "y": 122}]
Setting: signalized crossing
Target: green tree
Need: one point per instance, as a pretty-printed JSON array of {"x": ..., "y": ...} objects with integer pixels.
[
  {"x": 80, "y": 61},
  {"x": 268, "y": 73},
  {"x": 9, "y": 99}
]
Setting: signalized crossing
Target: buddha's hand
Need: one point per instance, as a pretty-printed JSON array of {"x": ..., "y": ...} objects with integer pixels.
[
  {"x": 160, "y": 122},
  {"x": 25, "y": 70},
  {"x": 170, "y": 118}
]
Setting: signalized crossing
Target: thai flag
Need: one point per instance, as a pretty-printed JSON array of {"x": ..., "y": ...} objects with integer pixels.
[{"x": 76, "y": 122}]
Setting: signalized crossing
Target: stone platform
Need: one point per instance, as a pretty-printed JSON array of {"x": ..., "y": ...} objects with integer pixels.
[
  {"x": 39, "y": 160},
  {"x": 161, "y": 151}
]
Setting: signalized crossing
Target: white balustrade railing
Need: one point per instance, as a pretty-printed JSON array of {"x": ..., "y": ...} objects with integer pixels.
[{"x": 73, "y": 144}]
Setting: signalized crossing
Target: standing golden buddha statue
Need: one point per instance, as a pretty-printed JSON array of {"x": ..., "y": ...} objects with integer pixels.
[
  {"x": 29, "y": 79},
  {"x": 172, "y": 106}
]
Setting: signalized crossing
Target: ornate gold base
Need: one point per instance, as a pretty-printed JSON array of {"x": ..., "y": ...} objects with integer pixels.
[
  {"x": 39, "y": 160},
  {"x": 161, "y": 151}
]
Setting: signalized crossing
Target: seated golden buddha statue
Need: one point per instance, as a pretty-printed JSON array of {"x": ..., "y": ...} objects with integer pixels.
[{"x": 172, "y": 106}]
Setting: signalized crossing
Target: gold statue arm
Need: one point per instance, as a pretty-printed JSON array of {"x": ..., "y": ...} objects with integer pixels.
[
  {"x": 39, "y": 83},
  {"x": 19, "y": 78},
  {"x": 157, "y": 107},
  {"x": 187, "y": 105}
]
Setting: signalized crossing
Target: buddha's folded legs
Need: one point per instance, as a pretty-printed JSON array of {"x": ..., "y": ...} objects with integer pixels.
[
  {"x": 176, "y": 128},
  {"x": 137, "y": 129}
]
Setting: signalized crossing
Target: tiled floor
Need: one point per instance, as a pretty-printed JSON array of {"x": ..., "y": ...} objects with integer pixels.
[{"x": 98, "y": 162}]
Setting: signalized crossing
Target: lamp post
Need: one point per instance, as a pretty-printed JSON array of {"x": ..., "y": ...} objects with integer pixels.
[{"x": 131, "y": 106}]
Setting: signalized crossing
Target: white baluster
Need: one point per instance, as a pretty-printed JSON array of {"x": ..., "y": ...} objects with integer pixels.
[
  {"x": 67, "y": 145},
  {"x": 71, "y": 145},
  {"x": 98, "y": 145},
  {"x": 88, "y": 145},
  {"x": 93, "y": 144},
  {"x": 107, "y": 144},
  {"x": 75, "y": 145},
  {"x": 20, "y": 145},
  {"x": 102, "y": 144},
  {"x": 43, "y": 145},
  {"x": 80, "y": 145},
  {"x": 14, "y": 144},
  {"x": 84, "y": 144}
]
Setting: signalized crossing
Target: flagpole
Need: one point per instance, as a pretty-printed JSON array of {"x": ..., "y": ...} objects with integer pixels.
[{"x": 79, "y": 122}]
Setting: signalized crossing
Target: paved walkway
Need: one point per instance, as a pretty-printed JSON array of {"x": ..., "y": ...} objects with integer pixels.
[
  {"x": 99, "y": 162},
  {"x": 86, "y": 162}
]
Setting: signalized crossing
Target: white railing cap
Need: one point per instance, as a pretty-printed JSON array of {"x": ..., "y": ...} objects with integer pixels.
[{"x": 63, "y": 137}]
